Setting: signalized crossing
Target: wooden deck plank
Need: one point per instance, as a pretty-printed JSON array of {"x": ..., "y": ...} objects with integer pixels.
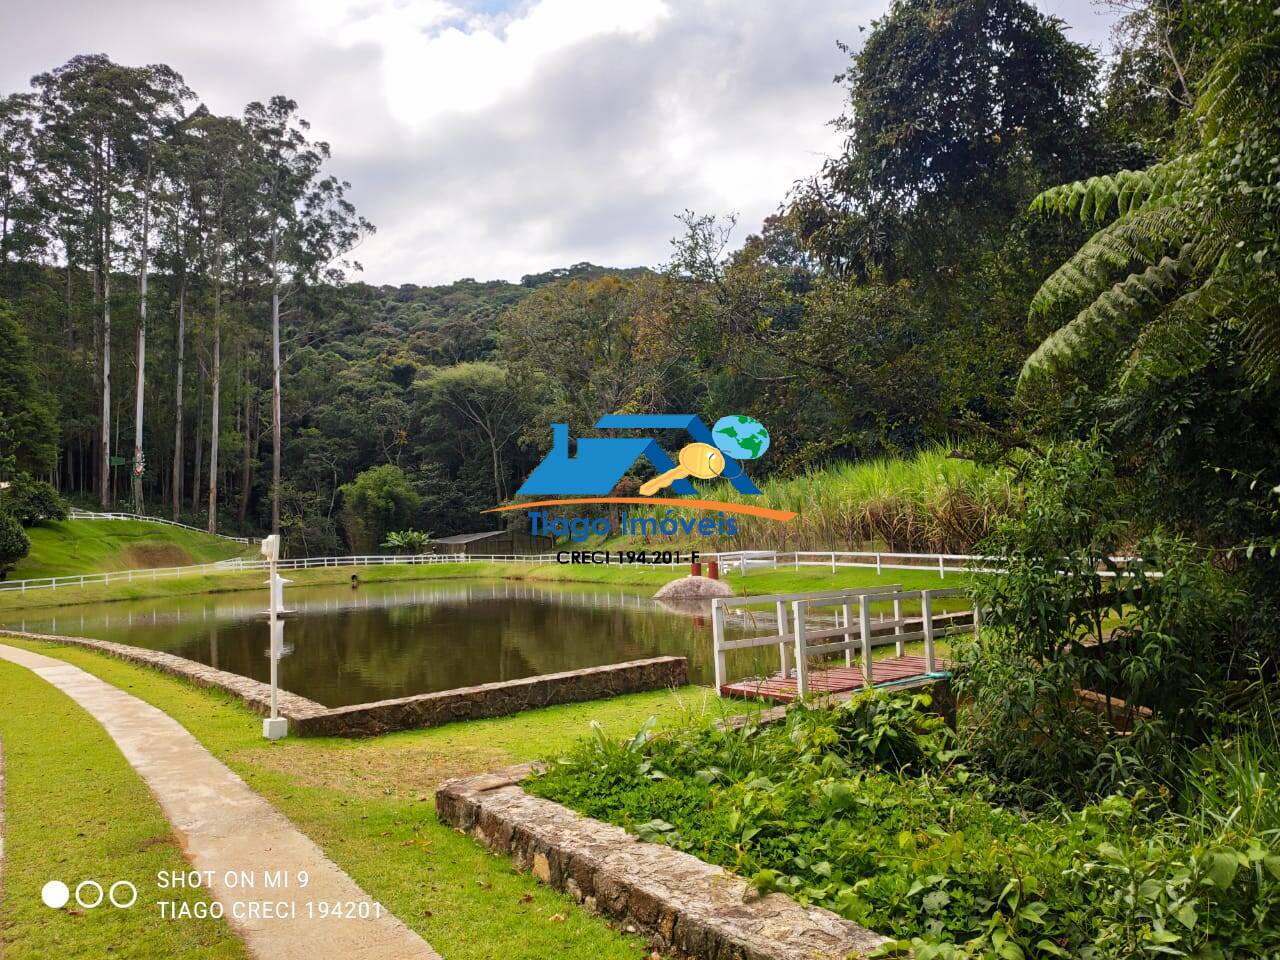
[{"x": 833, "y": 680}]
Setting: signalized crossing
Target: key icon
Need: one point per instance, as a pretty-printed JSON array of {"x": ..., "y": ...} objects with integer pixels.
[{"x": 700, "y": 460}]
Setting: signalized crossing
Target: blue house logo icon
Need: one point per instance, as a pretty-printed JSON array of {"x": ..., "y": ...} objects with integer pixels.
[{"x": 598, "y": 463}]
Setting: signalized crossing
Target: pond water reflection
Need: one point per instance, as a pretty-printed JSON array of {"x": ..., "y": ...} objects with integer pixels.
[{"x": 346, "y": 646}]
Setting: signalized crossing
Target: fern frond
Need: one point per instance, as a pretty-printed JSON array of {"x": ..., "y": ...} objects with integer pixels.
[
  {"x": 1250, "y": 305},
  {"x": 1099, "y": 198},
  {"x": 1115, "y": 314},
  {"x": 1241, "y": 91},
  {"x": 1118, "y": 249},
  {"x": 1177, "y": 342}
]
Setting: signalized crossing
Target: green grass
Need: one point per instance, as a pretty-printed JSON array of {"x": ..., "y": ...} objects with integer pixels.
[
  {"x": 61, "y": 548},
  {"x": 370, "y": 805},
  {"x": 782, "y": 580},
  {"x": 75, "y": 810}
]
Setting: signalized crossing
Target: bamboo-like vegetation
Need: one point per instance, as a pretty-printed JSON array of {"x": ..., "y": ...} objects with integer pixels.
[{"x": 929, "y": 502}]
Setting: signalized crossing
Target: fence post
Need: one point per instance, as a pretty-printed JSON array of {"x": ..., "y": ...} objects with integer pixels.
[
  {"x": 941, "y": 573},
  {"x": 847, "y": 610},
  {"x": 717, "y": 643},
  {"x": 833, "y": 561},
  {"x": 878, "y": 565},
  {"x": 977, "y": 618},
  {"x": 801, "y": 655},
  {"x": 780, "y": 607},
  {"x": 864, "y": 628},
  {"x": 926, "y": 614},
  {"x": 897, "y": 627}
]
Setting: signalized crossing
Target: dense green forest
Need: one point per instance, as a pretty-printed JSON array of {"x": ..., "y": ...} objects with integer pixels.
[{"x": 167, "y": 275}]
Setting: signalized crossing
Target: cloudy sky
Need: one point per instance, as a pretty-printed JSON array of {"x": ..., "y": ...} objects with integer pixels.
[{"x": 494, "y": 138}]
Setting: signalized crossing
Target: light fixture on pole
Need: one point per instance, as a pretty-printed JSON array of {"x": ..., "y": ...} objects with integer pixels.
[{"x": 275, "y": 726}]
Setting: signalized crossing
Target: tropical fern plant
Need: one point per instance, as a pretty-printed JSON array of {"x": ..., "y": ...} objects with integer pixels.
[
  {"x": 407, "y": 541},
  {"x": 1185, "y": 263}
]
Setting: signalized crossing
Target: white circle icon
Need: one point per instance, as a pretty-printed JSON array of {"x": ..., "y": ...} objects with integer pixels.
[
  {"x": 125, "y": 885},
  {"x": 55, "y": 894},
  {"x": 80, "y": 899}
]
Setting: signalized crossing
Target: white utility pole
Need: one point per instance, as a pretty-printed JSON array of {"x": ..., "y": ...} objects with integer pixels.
[{"x": 274, "y": 727}]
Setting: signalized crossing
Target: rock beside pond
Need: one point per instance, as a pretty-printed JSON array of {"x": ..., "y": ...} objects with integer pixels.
[{"x": 694, "y": 588}]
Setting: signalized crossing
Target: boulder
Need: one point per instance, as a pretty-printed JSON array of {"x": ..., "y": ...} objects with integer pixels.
[{"x": 694, "y": 588}]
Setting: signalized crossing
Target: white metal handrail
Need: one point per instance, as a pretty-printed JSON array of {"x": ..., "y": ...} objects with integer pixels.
[
  {"x": 806, "y": 639},
  {"x": 783, "y": 639},
  {"x": 891, "y": 631}
]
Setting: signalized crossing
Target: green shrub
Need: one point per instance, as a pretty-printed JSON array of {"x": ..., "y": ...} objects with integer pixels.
[
  {"x": 378, "y": 500},
  {"x": 1065, "y": 614},
  {"x": 14, "y": 544},
  {"x": 31, "y": 501},
  {"x": 865, "y": 809}
]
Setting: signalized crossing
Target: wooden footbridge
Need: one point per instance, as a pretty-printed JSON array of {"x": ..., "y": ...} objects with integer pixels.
[{"x": 821, "y": 626}]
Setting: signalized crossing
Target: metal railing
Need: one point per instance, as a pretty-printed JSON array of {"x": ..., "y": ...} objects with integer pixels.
[
  {"x": 784, "y": 640},
  {"x": 804, "y": 635},
  {"x": 78, "y": 514}
]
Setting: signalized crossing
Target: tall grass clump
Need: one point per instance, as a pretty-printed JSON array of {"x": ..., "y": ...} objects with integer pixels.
[{"x": 928, "y": 502}]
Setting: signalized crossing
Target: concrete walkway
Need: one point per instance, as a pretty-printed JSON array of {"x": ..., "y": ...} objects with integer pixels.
[{"x": 228, "y": 829}]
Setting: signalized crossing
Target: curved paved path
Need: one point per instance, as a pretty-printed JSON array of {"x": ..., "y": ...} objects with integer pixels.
[{"x": 223, "y": 826}]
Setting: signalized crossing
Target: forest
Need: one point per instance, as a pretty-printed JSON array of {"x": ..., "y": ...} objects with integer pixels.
[
  {"x": 1022, "y": 242},
  {"x": 1029, "y": 309}
]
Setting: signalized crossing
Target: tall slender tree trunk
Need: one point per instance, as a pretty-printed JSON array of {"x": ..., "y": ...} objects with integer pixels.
[
  {"x": 139, "y": 463},
  {"x": 246, "y": 466},
  {"x": 275, "y": 384},
  {"x": 197, "y": 471},
  {"x": 216, "y": 404},
  {"x": 104, "y": 460},
  {"x": 177, "y": 396}
]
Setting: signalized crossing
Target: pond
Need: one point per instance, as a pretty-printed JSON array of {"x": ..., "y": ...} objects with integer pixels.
[{"x": 378, "y": 641}]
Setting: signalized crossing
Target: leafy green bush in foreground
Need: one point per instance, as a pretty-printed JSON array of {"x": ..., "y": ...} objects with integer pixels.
[{"x": 866, "y": 810}]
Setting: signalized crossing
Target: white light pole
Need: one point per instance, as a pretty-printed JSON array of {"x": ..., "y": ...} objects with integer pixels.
[{"x": 275, "y": 726}]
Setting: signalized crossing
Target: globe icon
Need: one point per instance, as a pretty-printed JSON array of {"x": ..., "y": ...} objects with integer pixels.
[{"x": 741, "y": 437}]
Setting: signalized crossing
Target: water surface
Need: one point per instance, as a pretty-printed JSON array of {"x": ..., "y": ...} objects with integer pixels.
[{"x": 384, "y": 640}]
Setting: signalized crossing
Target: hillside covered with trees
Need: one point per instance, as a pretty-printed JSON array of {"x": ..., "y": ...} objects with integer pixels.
[{"x": 184, "y": 333}]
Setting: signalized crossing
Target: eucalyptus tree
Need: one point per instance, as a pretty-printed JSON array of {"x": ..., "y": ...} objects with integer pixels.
[
  {"x": 92, "y": 118},
  {"x": 183, "y": 247},
  {"x": 158, "y": 101},
  {"x": 218, "y": 153},
  {"x": 20, "y": 209},
  {"x": 307, "y": 226}
]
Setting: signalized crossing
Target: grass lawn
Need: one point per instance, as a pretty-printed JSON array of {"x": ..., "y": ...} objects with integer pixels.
[
  {"x": 75, "y": 810},
  {"x": 369, "y": 804},
  {"x": 60, "y": 548},
  {"x": 782, "y": 580}
]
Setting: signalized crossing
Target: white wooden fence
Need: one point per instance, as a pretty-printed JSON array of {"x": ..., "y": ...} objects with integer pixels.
[
  {"x": 78, "y": 514},
  {"x": 741, "y": 560},
  {"x": 950, "y": 563}
]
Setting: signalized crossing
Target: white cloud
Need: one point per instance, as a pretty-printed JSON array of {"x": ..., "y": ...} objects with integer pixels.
[
  {"x": 527, "y": 134},
  {"x": 436, "y": 59}
]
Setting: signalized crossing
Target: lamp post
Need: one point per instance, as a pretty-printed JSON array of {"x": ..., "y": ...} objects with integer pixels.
[{"x": 275, "y": 726}]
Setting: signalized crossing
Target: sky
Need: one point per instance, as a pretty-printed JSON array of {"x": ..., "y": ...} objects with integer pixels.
[{"x": 496, "y": 138}]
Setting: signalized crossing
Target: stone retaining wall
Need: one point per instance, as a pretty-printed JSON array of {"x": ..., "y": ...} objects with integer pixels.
[
  {"x": 498, "y": 699},
  {"x": 256, "y": 695},
  {"x": 683, "y": 904},
  {"x": 308, "y": 718}
]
